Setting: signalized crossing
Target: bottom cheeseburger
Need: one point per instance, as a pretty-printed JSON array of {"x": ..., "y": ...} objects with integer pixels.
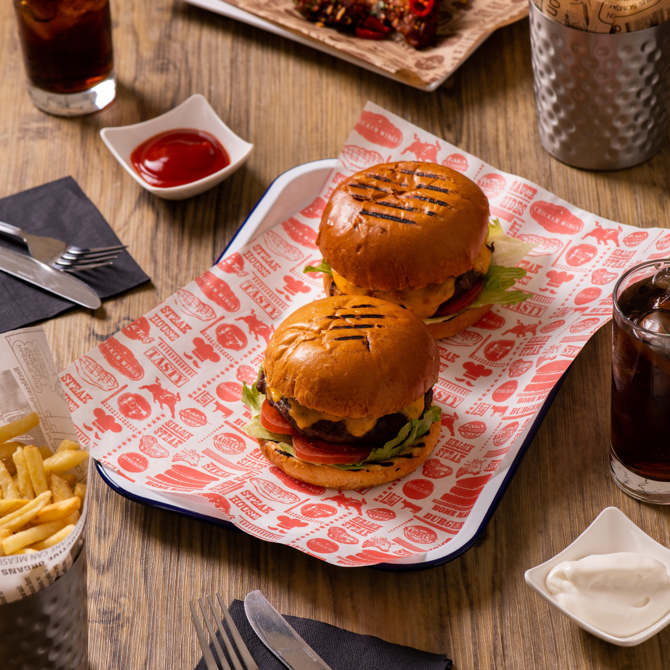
[{"x": 344, "y": 397}]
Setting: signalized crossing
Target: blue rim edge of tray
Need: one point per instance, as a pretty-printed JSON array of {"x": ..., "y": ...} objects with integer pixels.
[{"x": 391, "y": 567}]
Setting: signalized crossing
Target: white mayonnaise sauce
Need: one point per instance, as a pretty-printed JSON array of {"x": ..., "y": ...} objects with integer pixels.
[{"x": 621, "y": 594}]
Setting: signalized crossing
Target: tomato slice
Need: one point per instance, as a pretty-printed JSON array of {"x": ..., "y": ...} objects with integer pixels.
[
  {"x": 273, "y": 421},
  {"x": 316, "y": 451},
  {"x": 462, "y": 302}
]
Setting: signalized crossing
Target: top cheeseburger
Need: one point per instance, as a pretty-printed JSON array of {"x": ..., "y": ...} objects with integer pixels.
[
  {"x": 344, "y": 397},
  {"x": 417, "y": 235}
]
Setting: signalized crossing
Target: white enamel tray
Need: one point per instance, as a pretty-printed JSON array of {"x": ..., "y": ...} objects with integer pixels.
[
  {"x": 232, "y": 12},
  {"x": 287, "y": 195}
]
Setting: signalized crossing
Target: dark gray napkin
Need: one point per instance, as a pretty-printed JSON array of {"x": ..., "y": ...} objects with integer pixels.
[
  {"x": 340, "y": 649},
  {"x": 59, "y": 209}
]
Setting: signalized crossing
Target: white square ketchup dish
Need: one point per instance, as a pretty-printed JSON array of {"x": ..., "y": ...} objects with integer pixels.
[
  {"x": 621, "y": 563},
  {"x": 140, "y": 144}
]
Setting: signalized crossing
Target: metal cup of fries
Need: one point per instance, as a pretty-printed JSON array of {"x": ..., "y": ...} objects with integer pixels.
[
  {"x": 43, "y": 612},
  {"x": 601, "y": 80},
  {"x": 40, "y": 506}
]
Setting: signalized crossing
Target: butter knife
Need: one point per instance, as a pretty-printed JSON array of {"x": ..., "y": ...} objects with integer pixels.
[
  {"x": 278, "y": 636},
  {"x": 32, "y": 271}
]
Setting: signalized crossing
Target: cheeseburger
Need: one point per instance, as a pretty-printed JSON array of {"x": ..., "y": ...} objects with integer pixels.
[
  {"x": 344, "y": 397},
  {"x": 419, "y": 235}
]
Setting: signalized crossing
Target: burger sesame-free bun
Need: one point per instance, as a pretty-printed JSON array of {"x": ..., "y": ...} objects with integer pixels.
[
  {"x": 352, "y": 356},
  {"x": 438, "y": 330},
  {"x": 403, "y": 225},
  {"x": 458, "y": 323},
  {"x": 374, "y": 474}
]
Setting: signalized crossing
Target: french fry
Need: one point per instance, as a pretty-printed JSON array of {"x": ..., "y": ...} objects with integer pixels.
[
  {"x": 26, "y": 550},
  {"x": 54, "y": 539},
  {"x": 67, "y": 445},
  {"x": 22, "y": 539},
  {"x": 9, "y": 506},
  {"x": 58, "y": 510},
  {"x": 9, "y": 464},
  {"x": 22, "y": 475},
  {"x": 4, "y": 533},
  {"x": 73, "y": 518},
  {"x": 36, "y": 469},
  {"x": 19, "y": 427},
  {"x": 80, "y": 490},
  {"x": 8, "y": 448},
  {"x": 9, "y": 488},
  {"x": 60, "y": 488},
  {"x": 70, "y": 479},
  {"x": 64, "y": 460},
  {"x": 29, "y": 511}
]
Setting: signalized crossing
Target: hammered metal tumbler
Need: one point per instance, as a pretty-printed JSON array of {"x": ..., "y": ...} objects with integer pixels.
[
  {"x": 49, "y": 629},
  {"x": 601, "y": 100}
]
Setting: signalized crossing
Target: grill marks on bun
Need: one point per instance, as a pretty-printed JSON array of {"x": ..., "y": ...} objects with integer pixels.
[
  {"x": 348, "y": 320},
  {"x": 403, "y": 225},
  {"x": 394, "y": 199},
  {"x": 352, "y": 357}
]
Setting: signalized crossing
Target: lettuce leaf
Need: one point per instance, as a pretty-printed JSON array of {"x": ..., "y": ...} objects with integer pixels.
[
  {"x": 409, "y": 433},
  {"x": 496, "y": 282},
  {"x": 507, "y": 250},
  {"x": 255, "y": 430},
  {"x": 322, "y": 267},
  {"x": 252, "y": 397}
]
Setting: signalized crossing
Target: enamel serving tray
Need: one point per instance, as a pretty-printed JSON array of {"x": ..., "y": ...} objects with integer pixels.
[
  {"x": 232, "y": 12},
  {"x": 287, "y": 195}
]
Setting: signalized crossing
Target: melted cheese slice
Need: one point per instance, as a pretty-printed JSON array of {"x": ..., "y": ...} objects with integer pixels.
[
  {"x": 305, "y": 417},
  {"x": 424, "y": 301}
]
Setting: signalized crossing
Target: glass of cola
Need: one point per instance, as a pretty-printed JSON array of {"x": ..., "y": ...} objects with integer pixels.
[
  {"x": 67, "y": 51},
  {"x": 640, "y": 446}
]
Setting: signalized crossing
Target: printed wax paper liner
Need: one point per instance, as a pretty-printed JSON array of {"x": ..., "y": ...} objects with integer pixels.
[
  {"x": 159, "y": 401},
  {"x": 464, "y": 25},
  {"x": 29, "y": 383}
]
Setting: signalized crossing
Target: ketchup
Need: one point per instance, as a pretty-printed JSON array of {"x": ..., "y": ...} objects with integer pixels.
[{"x": 178, "y": 157}]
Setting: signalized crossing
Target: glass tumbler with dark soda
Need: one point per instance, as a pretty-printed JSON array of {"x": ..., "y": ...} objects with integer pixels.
[
  {"x": 67, "y": 51},
  {"x": 640, "y": 447}
]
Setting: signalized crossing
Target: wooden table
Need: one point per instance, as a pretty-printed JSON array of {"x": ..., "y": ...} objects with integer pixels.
[{"x": 297, "y": 105}]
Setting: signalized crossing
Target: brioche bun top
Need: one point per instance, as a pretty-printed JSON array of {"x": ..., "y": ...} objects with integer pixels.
[
  {"x": 352, "y": 356},
  {"x": 403, "y": 225}
]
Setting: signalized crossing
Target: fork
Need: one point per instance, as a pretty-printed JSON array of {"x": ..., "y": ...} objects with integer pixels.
[
  {"x": 248, "y": 661},
  {"x": 61, "y": 256}
]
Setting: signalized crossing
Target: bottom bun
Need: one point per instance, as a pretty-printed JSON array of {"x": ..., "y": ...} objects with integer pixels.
[
  {"x": 458, "y": 323},
  {"x": 372, "y": 475}
]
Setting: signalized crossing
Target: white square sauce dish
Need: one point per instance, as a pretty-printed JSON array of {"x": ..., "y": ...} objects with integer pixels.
[
  {"x": 611, "y": 533},
  {"x": 195, "y": 113}
]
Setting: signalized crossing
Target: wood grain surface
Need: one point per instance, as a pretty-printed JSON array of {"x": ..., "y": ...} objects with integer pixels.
[{"x": 297, "y": 105}]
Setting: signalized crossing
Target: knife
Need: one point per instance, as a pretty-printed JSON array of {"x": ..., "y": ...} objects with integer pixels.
[
  {"x": 278, "y": 636},
  {"x": 54, "y": 281}
]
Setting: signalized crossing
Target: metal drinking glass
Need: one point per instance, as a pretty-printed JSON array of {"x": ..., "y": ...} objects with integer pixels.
[
  {"x": 67, "y": 51},
  {"x": 601, "y": 100},
  {"x": 640, "y": 450}
]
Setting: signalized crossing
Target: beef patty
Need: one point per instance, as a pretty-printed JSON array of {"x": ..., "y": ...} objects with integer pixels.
[{"x": 386, "y": 428}]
